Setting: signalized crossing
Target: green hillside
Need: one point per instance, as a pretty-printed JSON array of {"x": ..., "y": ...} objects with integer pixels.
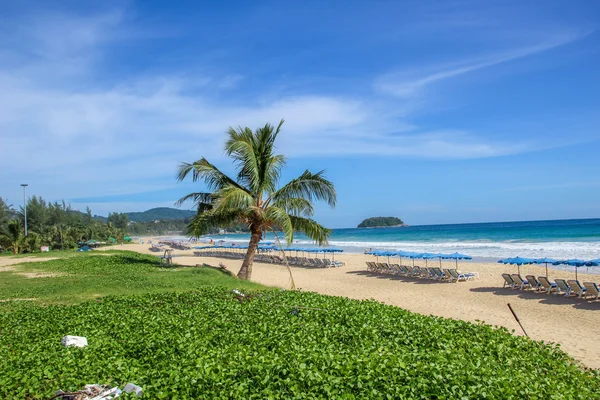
[{"x": 159, "y": 213}]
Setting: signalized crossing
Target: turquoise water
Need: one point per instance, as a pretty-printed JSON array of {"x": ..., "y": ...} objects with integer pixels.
[{"x": 557, "y": 239}]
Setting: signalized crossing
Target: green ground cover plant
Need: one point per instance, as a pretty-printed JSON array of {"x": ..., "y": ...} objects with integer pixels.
[
  {"x": 75, "y": 277},
  {"x": 213, "y": 343}
]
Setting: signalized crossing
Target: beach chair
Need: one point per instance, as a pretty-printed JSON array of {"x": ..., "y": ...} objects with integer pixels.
[
  {"x": 577, "y": 288},
  {"x": 439, "y": 274},
  {"x": 508, "y": 281},
  {"x": 533, "y": 283},
  {"x": 449, "y": 276},
  {"x": 458, "y": 276},
  {"x": 427, "y": 273},
  {"x": 547, "y": 286},
  {"x": 167, "y": 257},
  {"x": 331, "y": 263},
  {"x": 592, "y": 290},
  {"x": 403, "y": 271},
  {"x": 562, "y": 286},
  {"x": 386, "y": 268},
  {"x": 395, "y": 269},
  {"x": 520, "y": 283},
  {"x": 370, "y": 267}
]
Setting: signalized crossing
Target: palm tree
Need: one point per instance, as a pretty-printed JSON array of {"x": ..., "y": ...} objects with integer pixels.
[
  {"x": 253, "y": 197},
  {"x": 12, "y": 237}
]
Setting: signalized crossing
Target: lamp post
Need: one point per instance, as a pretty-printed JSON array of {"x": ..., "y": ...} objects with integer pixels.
[{"x": 25, "y": 206}]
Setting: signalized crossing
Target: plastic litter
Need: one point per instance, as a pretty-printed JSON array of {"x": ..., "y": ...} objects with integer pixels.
[
  {"x": 89, "y": 392},
  {"x": 131, "y": 388},
  {"x": 77, "y": 341}
]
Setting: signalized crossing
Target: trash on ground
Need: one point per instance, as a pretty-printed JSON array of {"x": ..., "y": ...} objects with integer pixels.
[
  {"x": 77, "y": 341},
  {"x": 131, "y": 388},
  {"x": 89, "y": 392}
]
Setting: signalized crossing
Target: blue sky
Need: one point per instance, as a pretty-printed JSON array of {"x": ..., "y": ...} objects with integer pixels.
[{"x": 436, "y": 112}]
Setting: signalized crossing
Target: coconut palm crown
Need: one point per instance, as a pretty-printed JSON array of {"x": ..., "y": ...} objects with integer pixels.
[{"x": 254, "y": 197}]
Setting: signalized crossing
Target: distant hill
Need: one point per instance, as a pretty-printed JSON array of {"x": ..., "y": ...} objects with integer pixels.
[
  {"x": 161, "y": 214},
  {"x": 381, "y": 222}
]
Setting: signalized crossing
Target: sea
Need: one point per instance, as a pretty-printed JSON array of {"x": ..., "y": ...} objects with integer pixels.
[{"x": 559, "y": 239}]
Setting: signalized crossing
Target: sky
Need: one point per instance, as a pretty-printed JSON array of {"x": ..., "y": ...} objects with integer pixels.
[{"x": 434, "y": 112}]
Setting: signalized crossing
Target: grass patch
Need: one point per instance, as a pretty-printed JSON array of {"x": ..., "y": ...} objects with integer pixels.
[
  {"x": 81, "y": 276},
  {"x": 182, "y": 333},
  {"x": 275, "y": 344}
]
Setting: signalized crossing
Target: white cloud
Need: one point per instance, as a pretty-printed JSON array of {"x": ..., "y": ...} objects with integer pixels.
[
  {"x": 405, "y": 84},
  {"x": 68, "y": 131}
]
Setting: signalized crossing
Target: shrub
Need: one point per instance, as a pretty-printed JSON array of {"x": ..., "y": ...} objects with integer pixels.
[{"x": 214, "y": 343}]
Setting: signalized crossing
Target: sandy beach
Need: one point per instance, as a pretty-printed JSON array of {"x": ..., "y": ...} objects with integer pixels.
[{"x": 573, "y": 323}]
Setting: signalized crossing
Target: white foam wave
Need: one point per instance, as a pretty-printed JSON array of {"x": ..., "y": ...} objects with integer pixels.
[{"x": 480, "y": 249}]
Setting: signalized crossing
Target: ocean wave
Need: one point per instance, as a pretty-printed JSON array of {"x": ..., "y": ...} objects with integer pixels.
[{"x": 487, "y": 249}]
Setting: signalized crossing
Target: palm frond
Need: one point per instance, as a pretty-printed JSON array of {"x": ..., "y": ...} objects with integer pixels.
[
  {"x": 278, "y": 217},
  {"x": 202, "y": 169},
  {"x": 232, "y": 198},
  {"x": 240, "y": 146},
  {"x": 201, "y": 224},
  {"x": 197, "y": 198},
  {"x": 259, "y": 168},
  {"x": 296, "y": 206},
  {"x": 311, "y": 228},
  {"x": 310, "y": 187}
]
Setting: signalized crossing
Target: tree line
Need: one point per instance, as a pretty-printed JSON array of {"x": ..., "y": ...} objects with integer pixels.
[{"x": 55, "y": 225}]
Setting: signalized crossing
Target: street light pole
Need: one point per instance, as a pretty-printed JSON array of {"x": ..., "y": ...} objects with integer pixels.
[{"x": 25, "y": 206}]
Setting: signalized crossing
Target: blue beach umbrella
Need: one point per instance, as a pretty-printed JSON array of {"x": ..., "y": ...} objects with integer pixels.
[
  {"x": 546, "y": 261},
  {"x": 577, "y": 263},
  {"x": 518, "y": 261},
  {"x": 441, "y": 256},
  {"x": 456, "y": 257},
  {"x": 333, "y": 250},
  {"x": 412, "y": 255},
  {"x": 401, "y": 254},
  {"x": 427, "y": 256}
]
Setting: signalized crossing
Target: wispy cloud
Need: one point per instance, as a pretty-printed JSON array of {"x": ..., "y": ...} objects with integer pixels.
[
  {"x": 552, "y": 186},
  {"x": 401, "y": 84},
  {"x": 60, "y": 113}
]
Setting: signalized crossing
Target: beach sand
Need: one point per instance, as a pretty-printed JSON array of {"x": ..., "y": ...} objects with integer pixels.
[{"x": 573, "y": 323}]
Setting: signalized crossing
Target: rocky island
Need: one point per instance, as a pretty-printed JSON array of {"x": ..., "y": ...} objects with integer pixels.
[{"x": 381, "y": 222}]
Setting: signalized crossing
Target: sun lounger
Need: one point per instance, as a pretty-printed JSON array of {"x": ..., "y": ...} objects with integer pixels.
[
  {"x": 384, "y": 268},
  {"x": 592, "y": 290},
  {"x": 429, "y": 274},
  {"x": 547, "y": 286},
  {"x": 577, "y": 288},
  {"x": 393, "y": 269},
  {"x": 520, "y": 283},
  {"x": 458, "y": 276},
  {"x": 403, "y": 271},
  {"x": 533, "y": 283},
  {"x": 562, "y": 286},
  {"x": 508, "y": 281},
  {"x": 437, "y": 273},
  {"x": 449, "y": 276}
]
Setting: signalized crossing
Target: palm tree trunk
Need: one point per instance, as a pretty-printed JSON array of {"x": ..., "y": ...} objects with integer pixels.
[{"x": 246, "y": 270}]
